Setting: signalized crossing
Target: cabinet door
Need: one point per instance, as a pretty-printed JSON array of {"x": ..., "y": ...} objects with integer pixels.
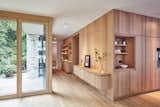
[
  {"x": 152, "y": 73},
  {"x": 155, "y": 71},
  {"x": 136, "y": 74},
  {"x": 137, "y": 25},
  {"x": 121, "y": 23},
  {"x": 152, "y": 27},
  {"x": 147, "y": 82},
  {"x": 121, "y": 83}
]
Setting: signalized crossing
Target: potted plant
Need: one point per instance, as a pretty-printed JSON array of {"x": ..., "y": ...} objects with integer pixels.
[{"x": 8, "y": 71}]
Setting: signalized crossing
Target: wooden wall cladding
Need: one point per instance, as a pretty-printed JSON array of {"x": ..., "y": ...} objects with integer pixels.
[
  {"x": 100, "y": 34},
  {"x": 152, "y": 27},
  {"x": 128, "y": 82},
  {"x": 129, "y": 24},
  {"x": 95, "y": 36},
  {"x": 83, "y": 45},
  {"x": 152, "y": 73},
  {"x": 146, "y": 76},
  {"x": 121, "y": 83}
]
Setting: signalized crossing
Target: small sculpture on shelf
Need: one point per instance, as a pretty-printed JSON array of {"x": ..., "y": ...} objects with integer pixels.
[{"x": 100, "y": 58}]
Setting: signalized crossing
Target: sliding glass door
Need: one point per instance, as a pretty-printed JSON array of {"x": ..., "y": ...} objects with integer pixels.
[
  {"x": 8, "y": 57},
  {"x": 25, "y": 58},
  {"x": 33, "y": 57}
]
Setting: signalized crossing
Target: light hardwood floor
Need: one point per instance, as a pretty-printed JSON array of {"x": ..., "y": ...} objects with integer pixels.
[{"x": 72, "y": 92}]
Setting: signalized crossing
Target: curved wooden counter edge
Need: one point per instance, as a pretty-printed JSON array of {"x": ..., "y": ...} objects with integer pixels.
[{"x": 94, "y": 71}]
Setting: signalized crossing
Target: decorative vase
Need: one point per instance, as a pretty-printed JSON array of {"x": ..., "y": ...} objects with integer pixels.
[{"x": 101, "y": 67}]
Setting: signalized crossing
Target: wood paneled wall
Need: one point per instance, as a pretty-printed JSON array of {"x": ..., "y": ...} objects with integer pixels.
[
  {"x": 146, "y": 76},
  {"x": 98, "y": 35},
  {"x": 129, "y": 24}
]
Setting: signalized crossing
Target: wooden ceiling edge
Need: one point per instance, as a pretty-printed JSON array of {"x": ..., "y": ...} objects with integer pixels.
[{"x": 24, "y": 16}]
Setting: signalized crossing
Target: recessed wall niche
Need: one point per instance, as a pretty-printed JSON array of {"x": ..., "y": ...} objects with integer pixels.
[{"x": 124, "y": 52}]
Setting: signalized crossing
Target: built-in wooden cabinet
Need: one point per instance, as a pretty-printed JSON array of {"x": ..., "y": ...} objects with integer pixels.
[
  {"x": 122, "y": 83},
  {"x": 124, "y": 51},
  {"x": 101, "y": 81},
  {"x": 70, "y": 53},
  {"x": 121, "y": 22},
  {"x": 142, "y": 34},
  {"x": 152, "y": 27},
  {"x": 129, "y": 24},
  {"x": 136, "y": 25},
  {"x": 152, "y": 74},
  {"x": 137, "y": 78}
]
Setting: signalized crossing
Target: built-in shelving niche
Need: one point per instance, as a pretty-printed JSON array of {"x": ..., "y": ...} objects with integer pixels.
[{"x": 124, "y": 51}]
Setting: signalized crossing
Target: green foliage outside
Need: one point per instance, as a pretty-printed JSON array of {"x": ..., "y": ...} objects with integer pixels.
[{"x": 8, "y": 44}]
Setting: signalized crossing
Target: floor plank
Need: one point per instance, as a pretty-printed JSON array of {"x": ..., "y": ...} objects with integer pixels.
[{"x": 70, "y": 91}]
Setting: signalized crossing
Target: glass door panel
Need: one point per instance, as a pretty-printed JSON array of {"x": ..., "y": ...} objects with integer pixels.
[
  {"x": 8, "y": 57},
  {"x": 33, "y": 57}
]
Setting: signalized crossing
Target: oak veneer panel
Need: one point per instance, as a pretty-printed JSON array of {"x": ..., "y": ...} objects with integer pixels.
[
  {"x": 129, "y": 24},
  {"x": 152, "y": 72},
  {"x": 137, "y": 77},
  {"x": 83, "y": 45},
  {"x": 99, "y": 36},
  {"x": 110, "y": 42},
  {"x": 152, "y": 27},
  {"x": 148, "y": 74},
  {"x": 121, "y": 83},
  {"x": 92, "y": 42},
  {"x": 25, "y": 17},
  {"x": 137, "y": 24},
  {"x": 121, "y": 22},
  {"x": 155, "y": 43}
]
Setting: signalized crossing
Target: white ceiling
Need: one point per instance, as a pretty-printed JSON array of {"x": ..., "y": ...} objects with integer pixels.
[{"x": 72, "y": 15}]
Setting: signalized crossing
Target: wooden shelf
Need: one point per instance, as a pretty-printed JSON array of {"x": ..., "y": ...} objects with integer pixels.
[
  {"x": 121, "y": 53},
  {"x": 64, "y": 49},
  {"x": 120, "y": 45},
  {"x": 125, "y": 54},
  {"x": 64, "y": 53}
]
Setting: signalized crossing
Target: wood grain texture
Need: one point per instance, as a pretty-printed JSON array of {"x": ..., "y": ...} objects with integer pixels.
[
  {"x": 152, "y": 27},
  {"x": 24, "y": 17},
  {"x": 101, "y": 34},
  {"x": 145, "y": 77},
  {"x": 98, "y": 35},
  {"x": 152, "y": 72},
  {"x": 129, "y": 24},
  {"x": 69, "y": 91},
  {"x": 78, "y": 93}
]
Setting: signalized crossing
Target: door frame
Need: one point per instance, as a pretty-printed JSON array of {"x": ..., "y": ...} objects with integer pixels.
[{"x": 20, "y": 18}]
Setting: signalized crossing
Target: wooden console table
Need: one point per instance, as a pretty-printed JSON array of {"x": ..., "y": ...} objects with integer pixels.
[{"x": 101, "y": 81}]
